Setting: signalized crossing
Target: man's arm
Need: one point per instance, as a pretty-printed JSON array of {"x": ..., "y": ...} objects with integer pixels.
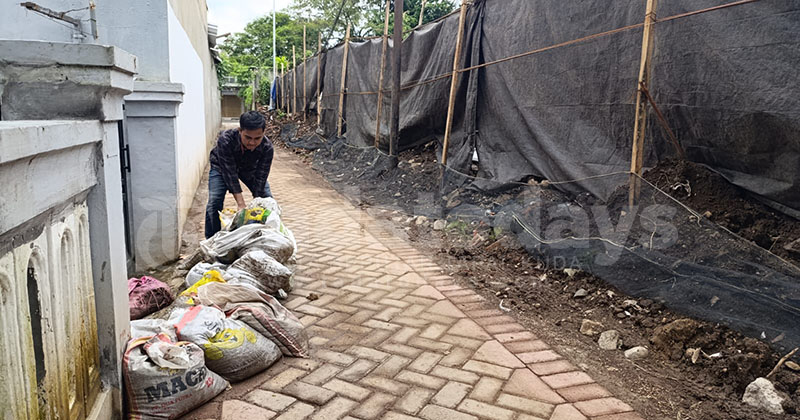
[{"x": 264, "y": 166}]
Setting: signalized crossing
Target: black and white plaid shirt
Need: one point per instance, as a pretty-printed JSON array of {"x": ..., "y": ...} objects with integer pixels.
[{"x": 234, "y": 162}]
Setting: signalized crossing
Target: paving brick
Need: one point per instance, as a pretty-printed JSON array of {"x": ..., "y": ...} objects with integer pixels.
[
  {"x": 434, "y": 412},
  {"x": 357, "y": 370},
  {"x": 483, "y": 313},
  {"x": 434, "y": 331},
  {"x": 601, "y": 407},
  {"x": 457, "y": 357},
  {"x": 270, "y": 400},
  {"x": 539, "y": 356},
  {"x": 334, "y": 357},
  {"x": 515, "y": 336},
  {"x": 526, "y": 384},
  {"x": 383, "y": 325},
  {"x": 482, "y": 409},
  {"x": 305, "y": 364},
  {"x": 494, "y": 320},
  {"x": 335, "y": 409},
  {"x": 468, "y": 328},
  {"x": 392, "y": 366},
  {"x": 486, "y": 389},
  {"x": 567, "y": 412},
  {"x": 401, "y": 349},
  {"x": 455, "y": 374},
  {"x": 322, "y": 374},
  {"x": 536, "y": 408},
  {"x": 551, "y": 368},
  {"x": 419, "y": 379},
  {"x": 620, "y": 416},
  {"x": 428, "y": 291},
  {"x": 236, "y": 410},
  {"x": 488, "y": 369},
  {"x": 584, "y": 392},
  {"x": 431, "y": 345},
  {"x": 411, "y": 321},
  {"x": 374, "y": 406},
  {"x": 404, "y": 334},
  {"x": 414, "y": 400},
  {"x": 438, "y": 318},
  {"x": 346, "y": 389},
  {"x": 385, "y": 384},
  {"x": 368, "y": 353},
  {"x": 282, "y": 379},
  {"x": 425, "y": 362},
  {"x": 309, "y": 393},
  {"x": 504, "y": 328},
  {"x": 451, "y": 394},
  {"x": 527, "y": 346},
  {"x": 446, "y": 308},
  {"x": 563, "y": 380},
  {"x": 495, "y": 353},
  {"x": 398, "y": 416}
]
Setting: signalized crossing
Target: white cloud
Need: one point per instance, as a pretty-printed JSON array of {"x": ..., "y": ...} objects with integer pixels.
[{"x": 233, "y": 15}]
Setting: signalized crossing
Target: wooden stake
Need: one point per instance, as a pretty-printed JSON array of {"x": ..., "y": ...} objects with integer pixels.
[
  {"x": 454, "y": 82},
  {"x": 319, "y": 78},
  {"x": 781, "y": 362},
  {"x": 397, "y": 64},
  {"x": 294, "y": 80},
  {"x": 380, "y": 77},
  {"x": 637, "y": 154},
  {"x": 422, "y": 12},
  {"x": 284, "y": 105},
  {"x": 344, "y": 81},
  {"x": 305, "y": 99}
]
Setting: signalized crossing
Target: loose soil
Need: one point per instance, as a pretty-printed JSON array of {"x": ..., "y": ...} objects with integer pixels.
[{"x": 670, "y": 384}]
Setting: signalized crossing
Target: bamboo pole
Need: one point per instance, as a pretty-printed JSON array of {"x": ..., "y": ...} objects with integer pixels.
[
  {"x": 305, "y": 98},
  {"x": 344, "y": 81},
  {"x": 637, "y": 154},
  {"x": 283, "y": 88},
  {"x": 294, "y": 80},
  {"x": 422, "y": 12},
  {"x": 319, "y": 78},
  {"x": 397, "y": 63},
  {"x": 381, "y": 73},
  {"x": 454, "y": 81}
]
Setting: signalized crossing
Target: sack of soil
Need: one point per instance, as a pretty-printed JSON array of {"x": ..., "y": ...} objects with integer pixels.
[
  {"x": 226, "y": 247},
  {"x": 261, "y": 271},
  {"x": 268, "y": 203},
  {"x": 141, "y": 328},
  {"x": 147, "y": 295},
  {"x": 166, "y": 379},
  {"x": 261, "y": 312},
  {"x": 200, "y": 269},
  {"x": 263, "y": 215},
  {"x": 232, "y": 349},
  {"x": 211, "y": 276}
]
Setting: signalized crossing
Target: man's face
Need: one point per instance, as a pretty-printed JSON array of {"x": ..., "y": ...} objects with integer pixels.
[{"x": 251, "y": 138}]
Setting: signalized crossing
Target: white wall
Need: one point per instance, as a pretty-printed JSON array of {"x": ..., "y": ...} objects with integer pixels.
[{"x": 191, "y": 147}]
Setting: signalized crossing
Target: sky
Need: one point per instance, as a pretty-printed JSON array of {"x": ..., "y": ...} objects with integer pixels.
[{"x": 233, "y": 15}]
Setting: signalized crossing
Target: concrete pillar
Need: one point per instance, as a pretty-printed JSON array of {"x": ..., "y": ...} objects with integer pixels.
[{"x": 151, "y": 128}]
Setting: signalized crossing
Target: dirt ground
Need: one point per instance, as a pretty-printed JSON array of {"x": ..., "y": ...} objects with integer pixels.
[{"x": 677, "y": 381}]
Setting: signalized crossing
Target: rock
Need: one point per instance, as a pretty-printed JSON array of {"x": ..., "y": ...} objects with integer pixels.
[
  {"x": 571, "y": 272},
  {"x": 591, "y": 328},
  {"x": 637, "y": 353},
  {"x": 439, "y": 224},
  {"x": 609, "y": 340},
  {"x": 421, "y": 220},
  {"x": 581, "y": 293},
  {"x": 672, "y": 338},
  {"x": 761, "y": 394}
]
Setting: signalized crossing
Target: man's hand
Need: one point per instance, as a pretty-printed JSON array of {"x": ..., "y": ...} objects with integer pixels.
[{"x": 239, "y": 201}]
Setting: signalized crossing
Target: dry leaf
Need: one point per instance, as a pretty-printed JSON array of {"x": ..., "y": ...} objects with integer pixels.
[
  {"x": 793, "y": 366},
  {"x": 695, "y": 355},
  {"x": 779, "y": 338}
]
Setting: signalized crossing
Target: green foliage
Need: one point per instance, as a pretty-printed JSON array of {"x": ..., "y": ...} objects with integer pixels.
[{"x": 434, "y": 9}]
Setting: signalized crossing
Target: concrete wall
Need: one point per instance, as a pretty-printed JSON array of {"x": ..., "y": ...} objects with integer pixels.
[{"x": 16, "y": 22}]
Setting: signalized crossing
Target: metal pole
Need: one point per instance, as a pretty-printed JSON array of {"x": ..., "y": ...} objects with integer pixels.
[
  {"x": 305, "y": 99},
  {"x": 397, "y": 59},
  {"x": 274, "y": 53}
]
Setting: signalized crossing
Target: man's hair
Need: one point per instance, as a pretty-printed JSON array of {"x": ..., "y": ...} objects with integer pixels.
[{"x": 252, "y": 120}]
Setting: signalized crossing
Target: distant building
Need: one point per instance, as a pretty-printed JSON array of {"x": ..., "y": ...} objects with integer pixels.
[{"x": 232, "y": 105}]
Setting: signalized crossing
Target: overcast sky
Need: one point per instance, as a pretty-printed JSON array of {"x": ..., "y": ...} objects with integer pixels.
[{"x": 233, "y": 15}]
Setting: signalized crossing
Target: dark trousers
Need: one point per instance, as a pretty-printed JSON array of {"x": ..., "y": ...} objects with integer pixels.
[{"x": 216, "y": 199}]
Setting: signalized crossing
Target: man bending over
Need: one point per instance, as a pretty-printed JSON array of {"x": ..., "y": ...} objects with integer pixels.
[{"x": 242, "y": 153}]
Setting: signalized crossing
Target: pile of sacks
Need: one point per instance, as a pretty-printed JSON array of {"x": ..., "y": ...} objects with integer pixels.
[{"x": 226, "y": 326}]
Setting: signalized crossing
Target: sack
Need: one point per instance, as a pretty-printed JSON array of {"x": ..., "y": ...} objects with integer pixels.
[
  {"x": 142, "y": 328},
  {"x": 268, "y": 203},
  {"x": 210, "y": 276},
  {"x": 232, "y": 349},
  {"x": 166, "y": 379},
  {"x": 226, "y": 247},
  {"x": 261, "y": 271},
  {"x": 226, "y": 217},
  {"x": 147, "y": 295},
  {"x": 200, "y": 269},
  {"x": 261, "y": 312},
  {"x": 250, "y": 216}
]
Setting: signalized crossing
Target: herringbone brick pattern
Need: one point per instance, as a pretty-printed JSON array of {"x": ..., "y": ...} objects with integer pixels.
[{"x": 393, "y": 337}]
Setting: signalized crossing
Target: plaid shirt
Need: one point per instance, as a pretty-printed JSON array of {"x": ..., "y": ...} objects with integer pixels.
[{"x": 235, "y": 162}]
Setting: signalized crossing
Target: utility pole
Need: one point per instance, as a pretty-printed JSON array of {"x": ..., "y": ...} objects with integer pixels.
[
  {"x": 397, "y": 47},
  {"x": 274, "y": 54}
]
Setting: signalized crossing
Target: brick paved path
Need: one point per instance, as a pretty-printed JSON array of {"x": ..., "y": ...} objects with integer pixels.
[{"x": 394, "y": 338}]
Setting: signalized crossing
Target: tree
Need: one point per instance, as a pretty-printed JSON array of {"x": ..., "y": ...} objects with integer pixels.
[{"x": 434, "y": 9}]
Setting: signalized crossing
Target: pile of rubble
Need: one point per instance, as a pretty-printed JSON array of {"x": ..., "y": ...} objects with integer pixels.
[{"x": 226, "y": 326}]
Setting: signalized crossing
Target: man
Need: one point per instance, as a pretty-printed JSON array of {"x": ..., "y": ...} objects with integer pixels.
[{"x": 243, "y": 153}]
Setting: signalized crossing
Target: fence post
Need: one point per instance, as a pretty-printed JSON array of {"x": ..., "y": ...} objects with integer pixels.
[
  {"x": 283, "y": 87},
  {"x": 454, "y": 81},
  {"x": 380, "y": 77},
  {"x": 422, "y": 12},
  {"x": 294, "y": 80},
  {"x": 319, "y": 78},
  {"x": 344, "y": 81},
  {"x": 305, "y": 99},
  {"x": 637, "y": 154},
  {"x": 397, "y": 62}
]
